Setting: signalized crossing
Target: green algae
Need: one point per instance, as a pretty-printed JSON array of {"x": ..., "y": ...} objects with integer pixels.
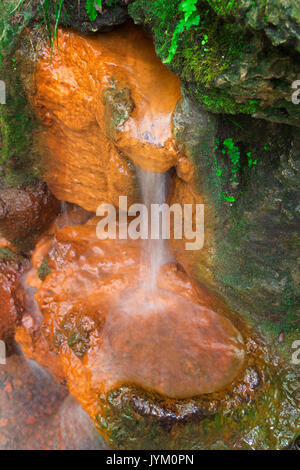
[{"x": 75, "y": 332}]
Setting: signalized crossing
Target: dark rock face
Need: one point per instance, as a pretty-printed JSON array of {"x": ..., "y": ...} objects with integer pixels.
[
  {"x": 25, "y": 213},
  {"x": 112, "y": 14},
  {"x": 255, "y": 207}
]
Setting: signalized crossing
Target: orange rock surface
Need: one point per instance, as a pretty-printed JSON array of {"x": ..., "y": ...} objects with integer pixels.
[
  {"x": 103, "y": 99},
  {"x": 107, "y": 330},
  {"x": 197, "y": 263}
]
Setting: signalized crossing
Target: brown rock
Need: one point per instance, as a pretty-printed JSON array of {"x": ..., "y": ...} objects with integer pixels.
[
  {"x": 26, "y": 213},
  {"x": 12, "y": 268}
]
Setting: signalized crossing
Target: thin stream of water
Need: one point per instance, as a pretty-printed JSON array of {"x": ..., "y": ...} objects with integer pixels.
[{"x": 154, "y": 189}]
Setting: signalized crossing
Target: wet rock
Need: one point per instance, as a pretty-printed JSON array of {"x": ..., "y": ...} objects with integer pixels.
[
  {"x": 26, "y": 213},
  {"x": 131, "y": 419},
  {"x": 118, "y": 108},
  {"x": 279, "y": 19},
  {"x": 92, "y": 306},
  {"x": 98, "y": 119},
  {"x": 37, "y": 414}
]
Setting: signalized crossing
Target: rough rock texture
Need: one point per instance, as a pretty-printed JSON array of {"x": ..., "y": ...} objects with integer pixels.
[
  {"x": 242, "y": 57},
  {"x": 37, "y": 414},
  {"x": 252, "y": 211},
  {"x": 26, "y": 213},
  {"x": 100, "y": 361},
  {"x": 96, "y": 116},
  {"x": 112, "y": 14},
  {"x": 12, "y": 268}
]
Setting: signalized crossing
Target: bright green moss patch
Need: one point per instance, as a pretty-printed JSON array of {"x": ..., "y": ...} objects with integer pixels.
[
  {"x": 225, "y": 53},
  {"x": 205, "y": 49},
  {"x": 205, "y": 45}
]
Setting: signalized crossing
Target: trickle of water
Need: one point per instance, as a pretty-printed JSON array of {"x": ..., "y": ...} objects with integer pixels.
[{"x": 154, "y": 189}]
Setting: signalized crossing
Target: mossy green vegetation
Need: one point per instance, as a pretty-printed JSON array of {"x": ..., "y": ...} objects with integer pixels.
[
  {"x": 254, "y": 164},
  {"x": 75, "y": 331},
  {"x": 16, "y": 123},
  {"x": 224, "y": 7},
  {"x": 198, "y": 43},
  {"x": 216, "y": 48}
]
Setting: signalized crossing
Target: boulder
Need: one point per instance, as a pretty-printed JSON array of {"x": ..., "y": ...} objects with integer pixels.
[{"x": 25, "y": 213}]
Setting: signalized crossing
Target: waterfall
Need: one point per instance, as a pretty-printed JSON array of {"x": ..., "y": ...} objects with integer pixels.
[{"x": 154, "y": 189}]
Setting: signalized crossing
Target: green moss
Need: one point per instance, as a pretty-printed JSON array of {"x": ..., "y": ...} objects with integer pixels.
[
  {"x": 218, "y": 101},
  {"x": 8, "y": 255},
  {"x": 75, "y": 333},
  {"x": 44, "y": 269},
  {"x": 204, "y": 51},
  {"x": 78, "y": 341},
  {"x": 214, "y": 53},
  {"x": 224, "y": 7},
  {"x": 16, "y": 123}
]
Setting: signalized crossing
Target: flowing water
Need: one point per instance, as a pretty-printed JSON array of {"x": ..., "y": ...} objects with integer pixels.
[{"x": 155, "y": 252}]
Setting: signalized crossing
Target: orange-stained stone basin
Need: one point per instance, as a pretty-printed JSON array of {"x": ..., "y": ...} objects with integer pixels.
[
  {"x": 108, "y": 329},
  {"x": 166, "y": 343}
]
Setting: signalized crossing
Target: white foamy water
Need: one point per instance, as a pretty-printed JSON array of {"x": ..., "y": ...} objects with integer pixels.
[{"x": 154, "y": 189}]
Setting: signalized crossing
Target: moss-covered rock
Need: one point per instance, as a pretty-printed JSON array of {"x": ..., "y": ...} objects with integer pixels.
[
  {"x": 111, "y": 14},
  {"x": 240, "y": 58},
  {"x": 248, "y": 173},
  {"x": 118, "y": 107},
  {"x": 16, "y": 122},
  {"x": 130, "y": 418}
]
